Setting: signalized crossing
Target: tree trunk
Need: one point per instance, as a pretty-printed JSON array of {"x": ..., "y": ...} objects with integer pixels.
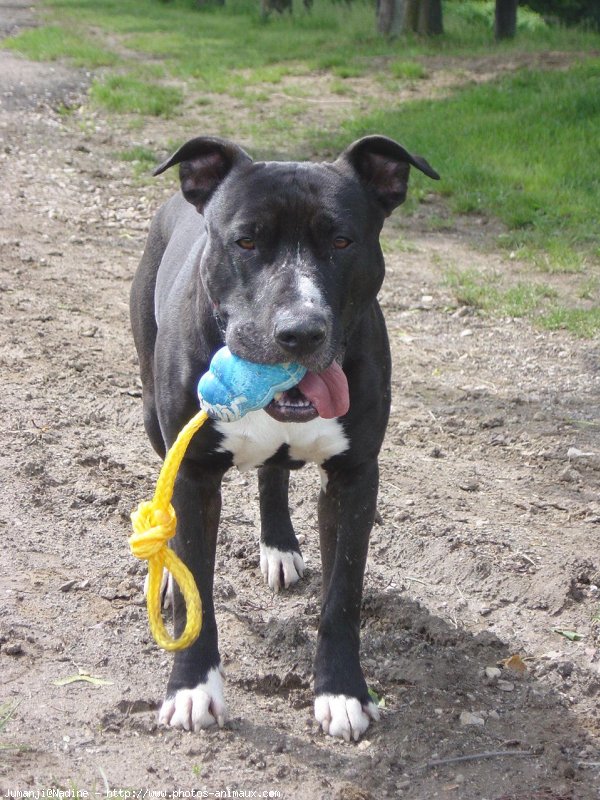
[
  {"x": 505, "y": 22},
  {"x": 390, "y": 17},
  {"x": 430, "y": 18},
  {"x": 411, "y": 15}
]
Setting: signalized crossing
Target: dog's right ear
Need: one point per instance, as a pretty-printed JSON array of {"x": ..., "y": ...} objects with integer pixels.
[{"x": 205, "y": 162}]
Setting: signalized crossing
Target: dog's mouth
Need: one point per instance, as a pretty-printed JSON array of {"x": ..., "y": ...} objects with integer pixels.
[{"x": 319, "y": 394}]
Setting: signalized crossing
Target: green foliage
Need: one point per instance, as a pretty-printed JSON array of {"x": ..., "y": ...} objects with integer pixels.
[
  {"x": 482, "y": 12},
  {"x": 571, "y": 12}
]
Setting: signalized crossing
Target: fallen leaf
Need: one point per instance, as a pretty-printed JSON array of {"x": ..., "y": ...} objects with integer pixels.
[
  {"x": 82, "y": 676},
  {"x": 379, "y": 701},
  {"x": 516, "y": 664},
  {"x": 572, "y": 636}
]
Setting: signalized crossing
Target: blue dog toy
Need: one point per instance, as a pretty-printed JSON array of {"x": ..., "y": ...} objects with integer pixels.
[{"x": 233, "y": 386}]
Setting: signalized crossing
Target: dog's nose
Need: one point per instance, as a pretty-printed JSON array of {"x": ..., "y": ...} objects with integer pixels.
[{"x": 301, "y": 336}]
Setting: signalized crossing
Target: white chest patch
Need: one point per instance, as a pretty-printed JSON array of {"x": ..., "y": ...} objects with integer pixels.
[{"x": 256, "y": 437}]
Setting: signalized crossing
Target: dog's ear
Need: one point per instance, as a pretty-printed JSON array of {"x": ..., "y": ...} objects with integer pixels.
[
  {"x": 383, "y": 166},
  {"x": 205, "y": 162}
]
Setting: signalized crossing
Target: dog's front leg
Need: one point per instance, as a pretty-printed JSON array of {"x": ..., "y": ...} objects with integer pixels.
[
  {"x": 346, "y": 514},
  {"x": 281, "y": 562},
  {"x": 194, "y": 697}
]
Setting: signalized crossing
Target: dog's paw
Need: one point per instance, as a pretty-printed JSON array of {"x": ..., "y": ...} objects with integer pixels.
[
  {"x": 166, "y": 589},
  {"x": 194, "y": 709},
  {"x": 279, "y": 567},
  {"x": 346, "y": 717}
]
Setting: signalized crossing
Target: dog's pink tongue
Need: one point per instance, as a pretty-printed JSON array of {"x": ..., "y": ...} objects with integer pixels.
[{"x": 327, "y": 391}]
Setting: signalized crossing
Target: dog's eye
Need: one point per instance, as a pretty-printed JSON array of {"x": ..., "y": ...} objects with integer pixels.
[
  {"x": 246, "y": 243},
  {"x": 341, "y": 242}
]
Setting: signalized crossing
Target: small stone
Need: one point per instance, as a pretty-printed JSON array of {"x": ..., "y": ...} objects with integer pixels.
[
  {"x": 506, "y": 686},
  {"x": 66, "y": 587},
  {"x": 565, "y": 668},
  {"x": 468, "y": 718},
  {"x": 492, "y": 674},
  {"x": 470, "y": 486},
  {"x": 574, "y": 452},
  {"x": 13, "y": 649},
  {"x": 364, "y": 744},
  {"x": 463, "y": 311},
  {"x": 493, "y": 422},
  {"x": 569, "y": 475}
]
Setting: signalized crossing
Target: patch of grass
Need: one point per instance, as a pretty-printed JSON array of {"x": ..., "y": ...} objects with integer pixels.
[
  {"x": 125, "y": 94},
  {"x": 349, "y": 71},
  {"x": 557, "y": 257},
  {"x": 485, "y": 293},
  {"x": 137, "y": 153},
  {"x": 141, "y": 159},
  {"x": 342, "y": 88},
  {"x": 524, "y": 148},
  {"x": 537, "y": 301},
  {"x": 582, "y": 322},
  {"x": 407, "y": 70},
  {"x": 7, "y": 711},
  {"x": 590, "y": 288},
  {"x": 53, "y": 42}
]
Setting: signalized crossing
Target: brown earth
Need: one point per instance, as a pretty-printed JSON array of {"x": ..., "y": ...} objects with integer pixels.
[{"x": 488, "y": 541}]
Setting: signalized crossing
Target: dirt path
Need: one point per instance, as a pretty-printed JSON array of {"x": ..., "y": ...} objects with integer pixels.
[{"x": 489, "y": 534}]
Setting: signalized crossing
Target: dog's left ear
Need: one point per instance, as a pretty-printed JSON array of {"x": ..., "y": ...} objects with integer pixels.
[
  {"x": 383, "y": 166},
  {"x": 205, "y": 163}
]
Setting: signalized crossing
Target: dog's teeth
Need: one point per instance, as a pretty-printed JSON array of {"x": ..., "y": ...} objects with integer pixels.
[{"x": 277, "y": 396}]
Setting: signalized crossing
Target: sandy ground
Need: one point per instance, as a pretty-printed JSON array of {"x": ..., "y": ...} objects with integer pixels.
[{"x": 488, "y": 541}]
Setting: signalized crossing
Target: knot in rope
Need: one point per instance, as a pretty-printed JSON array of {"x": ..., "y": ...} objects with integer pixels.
[{"x": 153, "y": 527}]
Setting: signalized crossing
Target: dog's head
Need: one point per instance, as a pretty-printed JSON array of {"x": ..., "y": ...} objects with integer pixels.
[{"x": 292, "y": 259}]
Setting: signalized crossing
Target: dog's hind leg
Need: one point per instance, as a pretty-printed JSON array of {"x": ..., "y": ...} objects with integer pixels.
[{"x": 281, "y": 562}]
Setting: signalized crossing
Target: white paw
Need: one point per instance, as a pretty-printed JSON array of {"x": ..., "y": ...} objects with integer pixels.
[
  {"x": 194, "y": 709},
  {"x": 277, "y": 566},
  {"x": 166, "y": 589},
  {"x": 344, "y": 716}
]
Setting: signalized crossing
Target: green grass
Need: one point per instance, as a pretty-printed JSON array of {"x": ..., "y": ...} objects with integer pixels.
[
  {"x": 524, "y": 148},
  {"x": 57, "y": 42},
  {"x": 537, "y": 301},
  {"x": 126, "y": 94},
  {"x": 407, "y": 70},
  {"x": 7, "y": 711},
  {"x": 583, "y": 322}
]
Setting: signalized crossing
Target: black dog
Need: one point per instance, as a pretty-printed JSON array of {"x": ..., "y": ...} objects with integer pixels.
[{"x": 284, "y": 264}]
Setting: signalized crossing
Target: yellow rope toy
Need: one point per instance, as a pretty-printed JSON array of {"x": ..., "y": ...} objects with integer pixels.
[
  {"x": 154, "y": 523},
  {"x": 231, "y": 388}
]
